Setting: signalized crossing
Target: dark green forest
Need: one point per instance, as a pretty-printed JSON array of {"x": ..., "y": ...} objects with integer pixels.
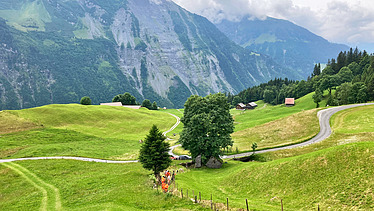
[{"x": 348, "y": 79}]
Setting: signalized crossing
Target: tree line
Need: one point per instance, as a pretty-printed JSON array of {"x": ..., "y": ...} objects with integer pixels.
[
  {"x": 125, "y": 99},
  {"x": 348, "y": 79},
  {"x": 128, "y": 99}
]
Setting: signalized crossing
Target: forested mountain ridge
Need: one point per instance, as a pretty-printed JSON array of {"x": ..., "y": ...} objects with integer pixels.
[
  {"x": 56, "y": 51},
  {"x": 285, "y": 42}
]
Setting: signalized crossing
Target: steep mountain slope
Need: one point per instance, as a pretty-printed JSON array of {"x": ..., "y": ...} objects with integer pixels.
[
  {"x": 56, "y": 51},
  {"x": 285, "y": 42}
]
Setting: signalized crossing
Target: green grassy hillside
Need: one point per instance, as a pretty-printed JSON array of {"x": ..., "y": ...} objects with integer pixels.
[
  {"x": 76, "y": 185},
  {"x": 335, "y": 174},
  {"x": 295, "y": 128},
  {"x": 335, "y": 178},
  {"x": 341, "y": 123},
  {"x": 76, "y": 130},
  {"x": 267, "y": 113}
]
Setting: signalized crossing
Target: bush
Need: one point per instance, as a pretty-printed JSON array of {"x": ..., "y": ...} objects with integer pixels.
[{"x": 86, "y": 101}]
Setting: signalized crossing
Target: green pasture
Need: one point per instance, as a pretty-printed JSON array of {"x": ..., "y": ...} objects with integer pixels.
[
  {"x": 337, "y": 178},
  {"x": 60, "y": 142},
  {"x": 101, "y": 121},
  {"x": 355, "y": 120},
  {"x": 77, "y": 130},
  {"x": 341, "y": 122},
  {"x": 288, "y": 130},
  {"x": 77, "y": 185},
  {"x": 265, "y": 113}
]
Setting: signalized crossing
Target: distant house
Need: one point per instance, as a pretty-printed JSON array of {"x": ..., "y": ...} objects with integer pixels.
[
  {"x": 290, "y": 102},
  {"x": 112, "y": 104},
  {"x": 132, "y": 106},
  {"x": 242, "y": 106},
  {"x": 120, "y": 104},
  {"x": 252, "y": 104}
]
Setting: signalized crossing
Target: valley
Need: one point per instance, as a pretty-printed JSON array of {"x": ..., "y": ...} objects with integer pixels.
[
  {"x": 273, "y": 116},
  {"x": 83, "y": 188}
]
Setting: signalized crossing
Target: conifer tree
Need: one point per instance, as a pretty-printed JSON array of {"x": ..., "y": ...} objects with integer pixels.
[{"x": 154, "y": 152}]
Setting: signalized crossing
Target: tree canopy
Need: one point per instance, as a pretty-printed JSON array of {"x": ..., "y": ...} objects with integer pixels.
[
  {"x": 147, "y": 103},
  {"x": 86, "y": 100},
  {"x": 208, "y": 125},
  {"x": 154, "y": 152},
  {"x": 125, "y": 99}
]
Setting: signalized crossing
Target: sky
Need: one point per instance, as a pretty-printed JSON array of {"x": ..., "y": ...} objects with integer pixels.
[{"x": 349, "y": 22}]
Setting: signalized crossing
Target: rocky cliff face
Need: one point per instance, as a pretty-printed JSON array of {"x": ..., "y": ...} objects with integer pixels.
[{"x": 151, "y": 48}]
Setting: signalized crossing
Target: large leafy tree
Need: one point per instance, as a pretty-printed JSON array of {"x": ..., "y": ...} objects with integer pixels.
[
  {"x": 125, "y": 99},
  {"x": 146, "y": 103},
  {"x": 207, "y": 126},
  {"x": 154, "y": 152},
  {"x": 317, "y": 97}
]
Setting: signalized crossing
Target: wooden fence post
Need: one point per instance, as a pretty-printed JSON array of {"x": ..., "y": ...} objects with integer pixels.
[
  {"x": 211, "y": 201},
  {"x": 196, "y": 199},
  {"x": 200, "y": 196},
  {"x": 282, "y": 204},
  {"x": 227, "y": 199},
  {"x": 246, "y": 202},
  {"x": 182, "y": 192}
]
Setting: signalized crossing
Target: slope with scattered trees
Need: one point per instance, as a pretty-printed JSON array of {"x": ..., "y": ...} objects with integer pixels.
[{"x": 351, "y": 75}]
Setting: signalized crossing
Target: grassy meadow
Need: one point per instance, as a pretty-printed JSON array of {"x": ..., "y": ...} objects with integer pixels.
[
  {"x": 336, "y": 178},
  {"x": 295, "y": 128},
  {"x": 76, "y": 185},
  {"x": 335, "y": 174},
  {"x": 265, "y": 113},
  {"x": 76, "y": 130},
  {"x": 340, "y": 123},
  {"x": 272, "y": 126}
]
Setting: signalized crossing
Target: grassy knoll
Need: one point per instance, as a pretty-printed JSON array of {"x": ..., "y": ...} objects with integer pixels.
[
  {"x": 10, "y": 123},
  {"x": 336, "y": 178},
  {"x": 341, "y": 123},
  {"x": 58, "y": 142},
  {"x": 179, "y": 113},
  {"x": 262, "y": 115},
  {"x": 291, "y": 129},
  {"x": 356, "y": 120},
  {"x": 101, "y": 121},
  {"x": 76, "y": 130},
  {"x": 82, "y": 186}
]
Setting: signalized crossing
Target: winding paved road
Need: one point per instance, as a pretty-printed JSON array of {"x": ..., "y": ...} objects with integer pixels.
[{"x": 325, "y": 131}]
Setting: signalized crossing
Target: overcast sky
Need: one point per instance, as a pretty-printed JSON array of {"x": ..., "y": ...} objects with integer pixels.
[{"x": 342, "y": 21}]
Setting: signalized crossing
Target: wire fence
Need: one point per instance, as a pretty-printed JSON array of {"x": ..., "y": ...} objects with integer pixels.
[{"x": 196, "y": 197}]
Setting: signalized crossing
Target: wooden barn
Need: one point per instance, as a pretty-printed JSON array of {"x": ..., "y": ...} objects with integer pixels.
[
  {"x": 289, "y": 102},
  {"x": 242, "y": 106}
]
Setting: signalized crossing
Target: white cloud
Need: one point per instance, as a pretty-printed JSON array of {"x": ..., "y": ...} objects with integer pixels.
[{"x": 343, "y": 21}]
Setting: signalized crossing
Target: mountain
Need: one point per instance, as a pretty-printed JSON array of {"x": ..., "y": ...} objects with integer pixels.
[
  {"x": 285, "y": 42},
  {"x": 57, "y": 51}
]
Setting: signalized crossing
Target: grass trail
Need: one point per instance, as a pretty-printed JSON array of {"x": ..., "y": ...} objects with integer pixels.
[{"x": 51, "y": 195}]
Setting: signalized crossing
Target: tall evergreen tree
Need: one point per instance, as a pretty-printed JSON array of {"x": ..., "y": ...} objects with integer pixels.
[{"x": 154, "y": 152}]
